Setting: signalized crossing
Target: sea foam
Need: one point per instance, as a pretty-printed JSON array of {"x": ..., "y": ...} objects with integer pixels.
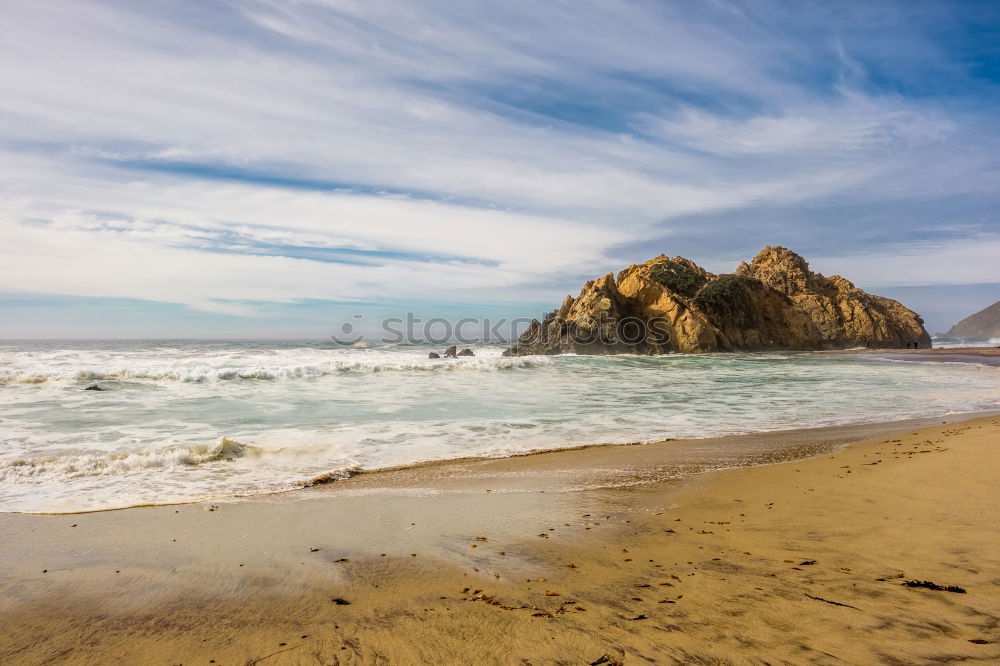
[
  {"x": 51, "y": 468},
  {"x": 217, "y": 370},
  {"x": 295, "y": 414}
]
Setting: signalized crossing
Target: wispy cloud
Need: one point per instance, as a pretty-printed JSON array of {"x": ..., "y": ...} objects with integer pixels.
[{"x": 273, "y": 150}]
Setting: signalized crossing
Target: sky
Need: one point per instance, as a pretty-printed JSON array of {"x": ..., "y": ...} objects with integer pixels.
[{"x": 271, "y": 168}]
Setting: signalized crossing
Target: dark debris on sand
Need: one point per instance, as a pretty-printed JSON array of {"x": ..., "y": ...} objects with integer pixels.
[
  {"x": 605, "y": 660},
  {"x": 832, "y": 603},
  {"x": 928, "y": 585}
]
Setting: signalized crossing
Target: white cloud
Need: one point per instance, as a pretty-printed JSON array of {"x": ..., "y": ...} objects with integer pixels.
[
  {"x": 854, "y": 126},
  {"x": 964, "y": 261},
  {"x": 407, "y": 96},
  {"x": 163, "y": 250}
]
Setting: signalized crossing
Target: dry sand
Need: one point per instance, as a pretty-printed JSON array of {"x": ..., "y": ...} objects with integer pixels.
[{"x": 508, "y": 562}]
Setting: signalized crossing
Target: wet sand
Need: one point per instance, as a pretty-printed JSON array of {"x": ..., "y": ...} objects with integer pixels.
[
  {"x": 567, "y": 557},
  {"x": 983, "y": 355}
]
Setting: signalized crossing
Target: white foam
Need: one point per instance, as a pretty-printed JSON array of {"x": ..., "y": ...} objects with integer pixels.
[
  {"x": 197, "y": 368},
  {"x": 292, "y": 414},
  {"x": 56, "y": 468}
]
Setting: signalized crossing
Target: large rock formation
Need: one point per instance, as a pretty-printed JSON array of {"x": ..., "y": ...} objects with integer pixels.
[
  {"x": 774, "y": 302},
  {"x": 983, "y": 325}
]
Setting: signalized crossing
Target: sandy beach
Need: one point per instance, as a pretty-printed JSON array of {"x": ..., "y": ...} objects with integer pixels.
[{"x": 588, "y": 556}]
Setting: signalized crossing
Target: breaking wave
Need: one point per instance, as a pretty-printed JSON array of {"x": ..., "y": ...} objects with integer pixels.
[
  {"x": 332, "y": 476},
  {"x": 118, "y": 464},
  {"x": 223, "y": 373}
]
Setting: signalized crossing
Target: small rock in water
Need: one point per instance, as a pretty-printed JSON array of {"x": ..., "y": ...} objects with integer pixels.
[
  {"x": 434, "y": 355},
  {"x": 466, "y": 352},
  {"x": 451, "y": 352},
  {"x": 94, "y": 387}
]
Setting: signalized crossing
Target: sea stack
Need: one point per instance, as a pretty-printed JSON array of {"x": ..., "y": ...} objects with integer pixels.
[{"x": 772, "y": 303}]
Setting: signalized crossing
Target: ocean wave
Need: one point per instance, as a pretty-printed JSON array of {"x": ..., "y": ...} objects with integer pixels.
[
  {"x": 118, "y": 464},
  {"x": 332, "y": 476},
  {"x": 207, "y": 373}
]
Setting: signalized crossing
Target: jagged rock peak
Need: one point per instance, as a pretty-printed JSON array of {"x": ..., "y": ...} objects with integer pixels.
[{"x": 780, "y": 268}]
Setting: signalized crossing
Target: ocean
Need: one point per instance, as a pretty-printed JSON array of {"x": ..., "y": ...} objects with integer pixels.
[{"x": 188, "y": 420}]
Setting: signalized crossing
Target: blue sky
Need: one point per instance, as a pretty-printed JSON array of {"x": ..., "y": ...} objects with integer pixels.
[{"x": 266, "y": 168}]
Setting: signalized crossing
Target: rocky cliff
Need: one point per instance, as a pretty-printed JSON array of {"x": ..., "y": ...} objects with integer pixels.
[
  {"x": 774, "y": 302},
  {"x": 983, "y": 325}
]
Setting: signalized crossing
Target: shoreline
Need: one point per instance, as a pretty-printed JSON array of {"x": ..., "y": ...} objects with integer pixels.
[
  {"x": 443, "y": 567},
  {"x": 938, "y": 351},
  {"x": 982, "y": 355},
  {"x": 147, "y": 469},
  {"x": 794, "y": 444}
]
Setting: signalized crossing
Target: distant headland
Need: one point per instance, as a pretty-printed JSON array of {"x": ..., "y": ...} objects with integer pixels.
[{"x": 983, "y": 325}]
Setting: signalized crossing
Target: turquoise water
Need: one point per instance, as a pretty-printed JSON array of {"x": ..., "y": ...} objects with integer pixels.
[{"x": 189, "y": 420}]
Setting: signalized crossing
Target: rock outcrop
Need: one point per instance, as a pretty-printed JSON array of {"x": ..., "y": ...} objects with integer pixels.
[
  {"x": 452, "y": 352},
  {"x": 984, "y": 325},
  {"x": 673, "y": 305}
]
